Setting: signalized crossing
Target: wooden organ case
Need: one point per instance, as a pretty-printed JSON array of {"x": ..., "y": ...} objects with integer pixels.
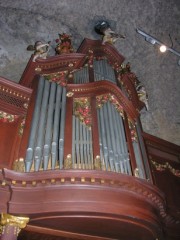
[{"x": 75, "y": 162}]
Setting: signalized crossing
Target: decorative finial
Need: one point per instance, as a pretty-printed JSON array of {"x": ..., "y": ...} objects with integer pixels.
[{"x": 64, "y": 45}]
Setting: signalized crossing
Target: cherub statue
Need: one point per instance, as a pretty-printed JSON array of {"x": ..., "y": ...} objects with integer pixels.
[
  {"x": 109, "y": 36},
  {"x": 40, "y": 50},
  {"x": 65, "y": 45},
  {"x": 141, "y": 91},
  {"x": 142, "y": 94}
]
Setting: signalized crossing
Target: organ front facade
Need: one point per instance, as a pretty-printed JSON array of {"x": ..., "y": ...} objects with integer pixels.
[{"x": 75, "y": 162}]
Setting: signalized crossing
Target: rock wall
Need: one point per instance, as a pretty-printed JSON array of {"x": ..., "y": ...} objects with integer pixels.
[{"x": 22, "y": 22}]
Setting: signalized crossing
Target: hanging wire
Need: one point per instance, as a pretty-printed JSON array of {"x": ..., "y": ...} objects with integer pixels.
[{"x": 171, "y": 40}]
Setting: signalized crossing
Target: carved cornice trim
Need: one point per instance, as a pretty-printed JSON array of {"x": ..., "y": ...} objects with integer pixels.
[
  {"x": 14, "y": 98},
  {"x": 64, "y": 62},
  {"x": 166, "y": 166},
  {"x": 163, "y": 145},
  {"x": 116, "y": 180},
  {"x": 102, "y": 50},
  {"x": 102, "y": 87},
  {"x": 80, "y": 177}
]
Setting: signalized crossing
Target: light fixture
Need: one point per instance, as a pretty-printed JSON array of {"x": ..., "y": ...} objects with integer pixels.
[{"x": 163, "y": 48}]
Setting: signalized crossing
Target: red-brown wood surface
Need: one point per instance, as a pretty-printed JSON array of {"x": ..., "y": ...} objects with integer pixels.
[
  {"x": 68, "y": 128},
  {"x": 164, "y": 159},
  {"x": 101, "y": 50},
  {"x": 27, "y": 128},
  {"x": 64, "y": 62},
  {"x": 92, "y": 203},
  {"x": 14, "y": 101},
  {"x": 83, "y": 204}
]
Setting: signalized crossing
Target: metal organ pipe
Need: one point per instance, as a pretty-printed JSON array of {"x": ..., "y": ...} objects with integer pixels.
[
  {"x": 62, "y": 123},
  {"x": 35, "y": 120},
  {"x": 109, "y": 143},
  {"x": 49, "y": 125},
  {"x": 41, "y": 127},
  {"x": 82, "y": 153},
  {"x": 113, "y": 144},
  {"x": 46, "y": 142},
  {"x": 81, "y": 76},
  {"x": 103, "y": 71},
  {"x": 58, "y": 106},
  {"x": 77, "y": 141},
  {"x": 102, "y": 135}
]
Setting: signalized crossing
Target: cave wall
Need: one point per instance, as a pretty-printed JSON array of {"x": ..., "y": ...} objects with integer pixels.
[{"x": 23, "y": 22}]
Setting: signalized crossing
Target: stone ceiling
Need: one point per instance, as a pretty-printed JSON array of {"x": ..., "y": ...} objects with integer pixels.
[{"x": 22, "y": 22}]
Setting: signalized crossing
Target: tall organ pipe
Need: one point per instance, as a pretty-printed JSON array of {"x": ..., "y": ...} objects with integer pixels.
[
  {"x": 58, "y": 105},
  {"x": 62, "y": 124},
  {"x": 109, "y": 143},
  {"x": 118, "y": 140},
  {"x": 112, "y": 124},
  {"x": 81, "y": 144},
  {"x": 49, "y": 125},
  {"x": 34, "y": 125},
  {"x": 103, "y": 137},
  {"x": 124, "y": 145},
  {"x": 85, "y": 142},
  {"x": 77, "y": 142},
  {"x": 42, "y": 122}
]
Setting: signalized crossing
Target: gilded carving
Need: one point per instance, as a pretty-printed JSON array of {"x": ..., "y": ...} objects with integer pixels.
[
  {"x": 21, "y": 127},
  {"x": 97, "y": 163},
  {"x": 68, "y": 162},
  {"x": 64, "y": 44},
  {"x": 101, "y": 99},
  {"x": 58, "y": 77},
  {"x": 69, "y": 94},
  {"x": 38, "y": 69},
  {"x": 18, "y": 165},
  {"x": 6, "y": 117},
  {"x": 10, "y": 220},
  {"x": 82, "y": 110},
  {"x": 163, "y": 167},
  {"x": 136, "y": 172},
  {"x": 133, "y": 131}
]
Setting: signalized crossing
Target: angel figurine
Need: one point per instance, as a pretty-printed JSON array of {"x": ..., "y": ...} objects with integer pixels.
[
  {"x": 109, "y": 36},
  {"x": 40, "y": 50}
]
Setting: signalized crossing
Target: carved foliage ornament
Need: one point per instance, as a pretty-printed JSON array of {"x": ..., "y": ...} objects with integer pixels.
[
  {"x": 8, "y": 220},
  {"x": 163, "y": 167},
  {"x": 82, "y": 110},
  {"x": 133, "y": 131},
  {"x": 101, "y": 99},
  {"x": 59, "y": 78},
  {"x": 6, "y": 117},
  {"x": 10, "y": 118}
]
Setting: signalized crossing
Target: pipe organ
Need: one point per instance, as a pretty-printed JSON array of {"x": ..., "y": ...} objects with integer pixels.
[
  {"x": 74, "y": 156},
  {"x": 46, "y": 141}
]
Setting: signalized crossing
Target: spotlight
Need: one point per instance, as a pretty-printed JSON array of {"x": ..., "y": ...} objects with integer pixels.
[
  {"x": 163, "y": 48},
  {"x": 154, "y": 41}
]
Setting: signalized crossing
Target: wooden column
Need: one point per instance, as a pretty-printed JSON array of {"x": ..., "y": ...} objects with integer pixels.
[{"x": 11, "y": 226}]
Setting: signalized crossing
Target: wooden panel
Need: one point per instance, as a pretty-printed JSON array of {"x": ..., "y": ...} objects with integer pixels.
[
  {"x": 76, "y": 202},
  {"x": 9, "y": 141}
]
